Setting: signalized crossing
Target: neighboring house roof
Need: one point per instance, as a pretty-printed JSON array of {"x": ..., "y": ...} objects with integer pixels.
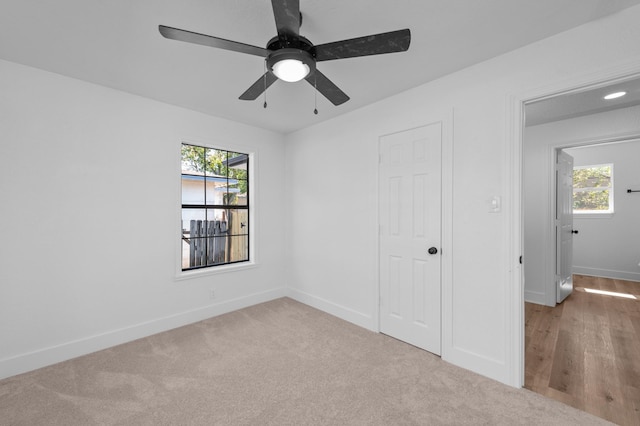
[
  {"x": 226, "y": 183},
  {"x": 214, "y": 178}
]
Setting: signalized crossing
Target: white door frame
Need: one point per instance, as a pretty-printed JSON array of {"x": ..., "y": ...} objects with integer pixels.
[{"x": 514, "y": 157}]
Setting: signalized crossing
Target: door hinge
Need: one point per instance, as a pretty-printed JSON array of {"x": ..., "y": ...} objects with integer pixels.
[{"x": 521, "y": 260}]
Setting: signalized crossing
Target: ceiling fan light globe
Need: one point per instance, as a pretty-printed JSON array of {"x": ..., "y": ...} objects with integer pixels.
[
  {"x": 291, "y": 70},
  {"x": 291, "y": 65}
]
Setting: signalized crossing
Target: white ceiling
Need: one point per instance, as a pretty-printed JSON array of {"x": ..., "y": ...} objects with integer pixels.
[
  {"x": 115, "y": 43},
  {"x": 581, "y": 102}
]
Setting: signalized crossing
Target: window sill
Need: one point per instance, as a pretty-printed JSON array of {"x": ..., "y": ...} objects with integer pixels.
[
  {"x": 214, "y": 270},
  {"x": 593, "y": 215}
]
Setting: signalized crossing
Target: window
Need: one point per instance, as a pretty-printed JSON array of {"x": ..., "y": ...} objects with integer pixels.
[
  {"x": 593, "y": 189},
  {"x": 215, "y": 207}
]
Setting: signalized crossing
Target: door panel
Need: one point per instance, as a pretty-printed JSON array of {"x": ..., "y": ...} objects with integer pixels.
[
  {"x": 410, "y": 223},
  {"x": 564, "y": 226}
]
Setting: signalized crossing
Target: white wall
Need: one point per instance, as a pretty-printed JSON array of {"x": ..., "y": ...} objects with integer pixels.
[
  {"x": 610, "y": 246},
  {"x": 90, "y": 221},
  {"x": 332, "y": 175},
  {"x": 538, "y": 198},
  {"x": 83, "y": 146}
]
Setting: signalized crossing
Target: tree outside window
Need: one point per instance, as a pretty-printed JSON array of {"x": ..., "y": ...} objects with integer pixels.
[{"x": 593, "y": 189}]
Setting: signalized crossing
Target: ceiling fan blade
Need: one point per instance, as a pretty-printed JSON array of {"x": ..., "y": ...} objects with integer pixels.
[
  {"x": 327, "y": 88},
  {"x": 287, "y": 14},
  {"x": 207, "y": 40},
  {"x": 376, "y": 44},
  {"x": 258, "y": 87}
]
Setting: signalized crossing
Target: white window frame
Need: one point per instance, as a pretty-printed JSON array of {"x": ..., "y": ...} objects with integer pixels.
[{"x": 596, "y": 213}]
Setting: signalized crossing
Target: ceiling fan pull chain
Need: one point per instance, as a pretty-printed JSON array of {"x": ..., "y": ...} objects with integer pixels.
[
  {"x": 315, "y": 86},
  {"x": 265, "y": 84}
]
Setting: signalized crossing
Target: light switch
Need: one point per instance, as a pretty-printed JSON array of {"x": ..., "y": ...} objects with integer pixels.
[{"x": 495, "y": 204}]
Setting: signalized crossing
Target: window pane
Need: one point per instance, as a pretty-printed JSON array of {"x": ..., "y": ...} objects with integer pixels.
[
  {"x": 238, "y": 220},
  {"x": 217, "y": 214},
  {"x": 238, "y": 165},
  {"x": 217, "y": 250},
  {"x": 185, "y": 253},
  {"x": 216, "y": 190},
  {"x": 216, "y": 162},
  {"x": 237, "y": 193},
  {"x": 592, "y": 177},
  {"x": 189, "y": 215},
  {"x": 192, "y": 189},
  {"x": 591, "y": 200},
  {"x": 238, "y": 248},
  {"x": 193, "y": 230},
  {"x": 216, "y": 241},
  {"x": 192, "y": 159}
]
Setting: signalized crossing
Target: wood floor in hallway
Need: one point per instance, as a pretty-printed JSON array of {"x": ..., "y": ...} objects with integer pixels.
[{"x": 585, "y": 352}]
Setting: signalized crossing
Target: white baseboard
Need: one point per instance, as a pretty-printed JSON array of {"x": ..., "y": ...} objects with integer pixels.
[
  {"x": 52, "y": 355},
  {"x": 534, "y": 297},
  {"x": 342, "y": 312},
  {"x": 607, "y": 273}
]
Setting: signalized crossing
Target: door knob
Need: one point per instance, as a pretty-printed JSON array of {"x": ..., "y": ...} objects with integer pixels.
[
  {"x": 432, "y": 250},
  {"x": 574, "y": 231}
]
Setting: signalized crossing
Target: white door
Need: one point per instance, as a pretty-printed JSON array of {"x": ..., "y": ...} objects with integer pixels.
[
  {"x": 564, "y": 225},
  {"x": 410, "y": 235}
]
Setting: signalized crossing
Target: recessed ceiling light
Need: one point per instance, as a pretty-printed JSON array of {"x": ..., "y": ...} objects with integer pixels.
[{"x": 615, "y": 95}]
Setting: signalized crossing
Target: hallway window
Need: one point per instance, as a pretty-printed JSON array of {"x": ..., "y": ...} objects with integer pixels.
[
  {"x": 593, "y": 189},
  {"x": 215, "y": 207}
]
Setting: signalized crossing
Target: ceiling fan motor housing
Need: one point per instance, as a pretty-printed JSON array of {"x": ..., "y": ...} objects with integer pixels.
[
  {"x": 296, "y": 48},
  {"x": 289, "y": 53}
]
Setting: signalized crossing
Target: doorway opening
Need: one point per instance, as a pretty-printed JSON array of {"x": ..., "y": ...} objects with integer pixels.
[{"x": 560, "y": 367}]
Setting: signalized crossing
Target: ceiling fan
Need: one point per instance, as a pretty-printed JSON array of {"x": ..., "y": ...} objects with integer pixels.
[{"x": 291, "y": 57}]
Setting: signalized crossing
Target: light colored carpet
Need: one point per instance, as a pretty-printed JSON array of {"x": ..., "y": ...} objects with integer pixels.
[{"x": 277, "y": 363}]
